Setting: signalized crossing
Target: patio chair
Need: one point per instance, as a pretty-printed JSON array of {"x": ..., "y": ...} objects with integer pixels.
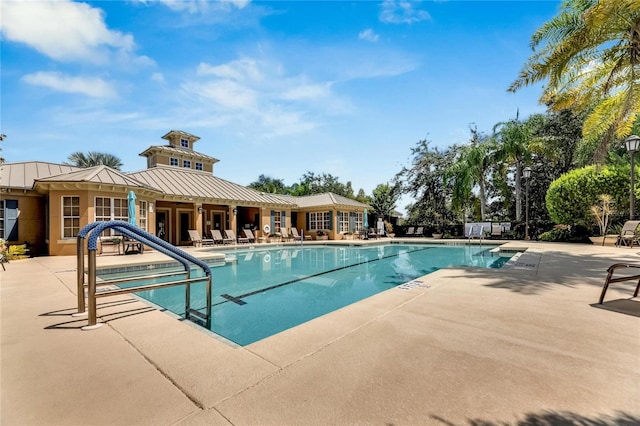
[
  {"x": 628, "y": 234},
  {"x": 285, "y": 234},
  {"x": 197, "y": 239},
  {"x": 249, "y": 235},
  {"x": 3, "y": 260},
  {"x": 496, "y": 230},
  {"x": 613, "y": 268},
  {"x": 373, "y": 233},
  {"x": 297, "y": 237},
  {"x": 217, "y": 237},
  {"x": 410, "y": 231},
  {"x": 419, "y": 232},
  {"x": 236, "y": 240}
]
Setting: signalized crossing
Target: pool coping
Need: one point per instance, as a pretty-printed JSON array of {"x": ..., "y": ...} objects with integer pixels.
[{"x": 463, "y": 344}]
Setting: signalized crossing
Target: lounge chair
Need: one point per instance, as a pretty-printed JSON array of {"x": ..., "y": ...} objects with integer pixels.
[
  {"x": 410, "y": 231},
  {"x": 373, "y": 234},
  {"x": 496, "y": 230},
  {"x": 419, "y": 232},
  {"x": 249, "y": 235},
  {"x": 217, "y": 237},
  {"x": 613, "y": 268},
  {"x": 297, "y": 237},
  {"x": 197, "y": 240},
  {"x": 476, "y": 231},
  {"x": 236, "y": 240},
  {"x": 285, "y": 234},
  {"x": 628, "y": 234}
]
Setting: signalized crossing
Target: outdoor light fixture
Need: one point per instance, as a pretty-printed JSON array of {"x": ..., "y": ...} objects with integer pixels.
[
  {"x": 632, "y": 143},
  {"x": 526, "y": 173},
  {"x": 235, "y": 211},
  {"x": 199, "y": 209}
]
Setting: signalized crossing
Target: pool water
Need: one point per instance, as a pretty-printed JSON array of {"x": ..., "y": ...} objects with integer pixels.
[{"x": 260, "y": 292}]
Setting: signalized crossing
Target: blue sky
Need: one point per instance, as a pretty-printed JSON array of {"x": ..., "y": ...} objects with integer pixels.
[{"x": 276, "y": 88}]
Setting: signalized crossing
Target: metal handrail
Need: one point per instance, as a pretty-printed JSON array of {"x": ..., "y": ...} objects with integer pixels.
[{"x": 93, "y": 230}]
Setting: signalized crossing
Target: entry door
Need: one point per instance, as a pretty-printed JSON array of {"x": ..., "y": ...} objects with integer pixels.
[
  {"x": 218, "y": 221},
  {"x": 162, "y": 225},
  {"x": 184, "y": 226}
]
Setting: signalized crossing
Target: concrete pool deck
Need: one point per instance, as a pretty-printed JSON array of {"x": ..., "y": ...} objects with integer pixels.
[{"x": 522, "y": 345}]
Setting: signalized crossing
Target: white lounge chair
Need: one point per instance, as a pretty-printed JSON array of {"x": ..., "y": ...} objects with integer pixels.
[
  {"x": 197, "y": 240},
  {"x": 218, "y": 238},
  {"x": 249, "y": 235},
  {"x": 237, "y": 240},
  {"x": 297, "y": 237}
]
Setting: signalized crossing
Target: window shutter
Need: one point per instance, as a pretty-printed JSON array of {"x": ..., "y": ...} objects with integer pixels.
[
  {"x": 283, "y": 222},
  {"x": 352, "y": 222},
  {"x": 308, "y": 224},
  {"x": 11, "y": 220},
  {"x": 338, "y": 224},
  {"x": 273, "y": 222},
  {"x": 330, "y": 220}
]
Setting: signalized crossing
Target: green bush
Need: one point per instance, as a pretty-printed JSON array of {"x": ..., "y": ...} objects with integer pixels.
[
  {"x": 566, "y": 233},
  {"x": 570, "y": 197}
]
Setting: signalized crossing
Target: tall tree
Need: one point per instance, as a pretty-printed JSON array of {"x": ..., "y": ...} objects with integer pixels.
[
  {"x": 93, "y": 158},
  {"x": 590, "y": 56},
  {"x": 513, "y": 138},
  {"x": 384, "y": 199},
  {"x": 269, "y": 185},
  {"x": 326, "y": 182},
  {"x": 471, "y": 170},
  {"x": 424, "y": 180}
]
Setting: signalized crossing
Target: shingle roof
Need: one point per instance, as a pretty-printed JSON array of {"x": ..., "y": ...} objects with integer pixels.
[
  {"x": 22, "y": 175},
  {"x": 196, "y": 184},
  {"x": 97, "y": 174},
  {"x": 321, "y": 200},
  {"x": 177, "y": 151}
]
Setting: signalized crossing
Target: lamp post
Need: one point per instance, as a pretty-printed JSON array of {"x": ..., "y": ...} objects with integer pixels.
[
  {"x": 526, "y": 173},
  {"x": 632, "y": 143}
]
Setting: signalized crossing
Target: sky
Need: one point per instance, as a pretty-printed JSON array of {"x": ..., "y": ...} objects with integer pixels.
[{"x": 277, "y": 88}]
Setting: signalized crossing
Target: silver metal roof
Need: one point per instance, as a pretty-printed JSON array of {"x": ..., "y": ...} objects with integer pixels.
[
  {"x": 97, "y": 174},
  {"x": 177, "y": 151},
  {"x": 197, "y": 184},
  {"x": 322, "y": 200},
  {"x": 22, "y": 175}
]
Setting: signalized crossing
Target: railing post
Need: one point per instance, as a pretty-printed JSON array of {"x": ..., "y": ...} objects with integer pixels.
[
  {"x": 209, "y": 279},
  {"x": 80, "y": 275},
  {"x": 187, "y": 293},
  {"x": 91, "y": 296}
]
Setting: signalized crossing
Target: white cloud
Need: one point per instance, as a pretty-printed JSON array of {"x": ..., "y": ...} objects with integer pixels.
[
  {"x": 89, "y": 86},
  {"x": 244, "y": 69},
  {"x": 307, "y": 91},
  {"x": 199, "y": 6},
  {"x": 157, "y": 77},
  {"x": 225, "y": 93},
  {"x": 368, "y": 35},
  {"x": 64, "y": 30},
  {"x": 402, "y": 12}
]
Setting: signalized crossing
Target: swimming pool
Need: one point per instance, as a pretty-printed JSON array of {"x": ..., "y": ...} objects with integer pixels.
[{"x": 259, "y": 292}]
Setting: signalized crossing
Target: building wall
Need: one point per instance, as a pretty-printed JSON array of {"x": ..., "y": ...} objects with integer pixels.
[
  {"x": 31, "y": 222},
  {"x": 59, "y": 246}
]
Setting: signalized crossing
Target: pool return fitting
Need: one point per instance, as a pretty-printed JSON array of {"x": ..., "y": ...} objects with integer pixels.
[{"x": 93, "y": 231}]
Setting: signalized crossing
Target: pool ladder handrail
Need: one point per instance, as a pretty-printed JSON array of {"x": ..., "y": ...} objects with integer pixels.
[{"x": 93, "y": 230}]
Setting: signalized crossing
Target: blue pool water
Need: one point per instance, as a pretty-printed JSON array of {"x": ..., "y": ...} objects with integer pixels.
[{"x": 260, "y": 292}]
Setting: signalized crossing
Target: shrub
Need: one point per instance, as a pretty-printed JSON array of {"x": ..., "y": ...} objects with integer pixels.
[
  {"x": 570, "y": 197},
  {"x": 566, "y": 233}
]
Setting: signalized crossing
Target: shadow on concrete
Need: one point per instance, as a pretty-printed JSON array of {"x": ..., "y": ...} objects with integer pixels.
[
  {"x": 556, "y": 418},
  {"x": 79, "y": 322},
  {"x": 621, "y": 306}
]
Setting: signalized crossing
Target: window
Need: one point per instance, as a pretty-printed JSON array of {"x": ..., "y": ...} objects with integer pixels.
[
  {"x": 199, "y": 166},
  {"x": 343, "y": 222},
  {"x": 2, "y": 221},
  {"x": 277, "y": 221},
  {"x": 142, "y": 221},
  {"x": 186, "y": 164},
  {"x": 173, "y": 161},
  {"x": 111, "y": 209},
  {"x": 319, "y": 220},
  {"x": 359, "y": 220},
  {"x": 70, "y": 217},
  {"x": 184, "y": 143}
]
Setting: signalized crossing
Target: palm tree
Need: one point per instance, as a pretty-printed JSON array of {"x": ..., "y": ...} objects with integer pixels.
[
  {"x": 590, "y": 55},
  {"x": 93, "y": 158},
  {"x": 471, "y": 170},
  {"x": 513, "y": 138}
]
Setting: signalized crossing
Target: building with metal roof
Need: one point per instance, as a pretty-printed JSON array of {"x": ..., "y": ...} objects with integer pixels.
[{"x": 46, "y": 204}]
